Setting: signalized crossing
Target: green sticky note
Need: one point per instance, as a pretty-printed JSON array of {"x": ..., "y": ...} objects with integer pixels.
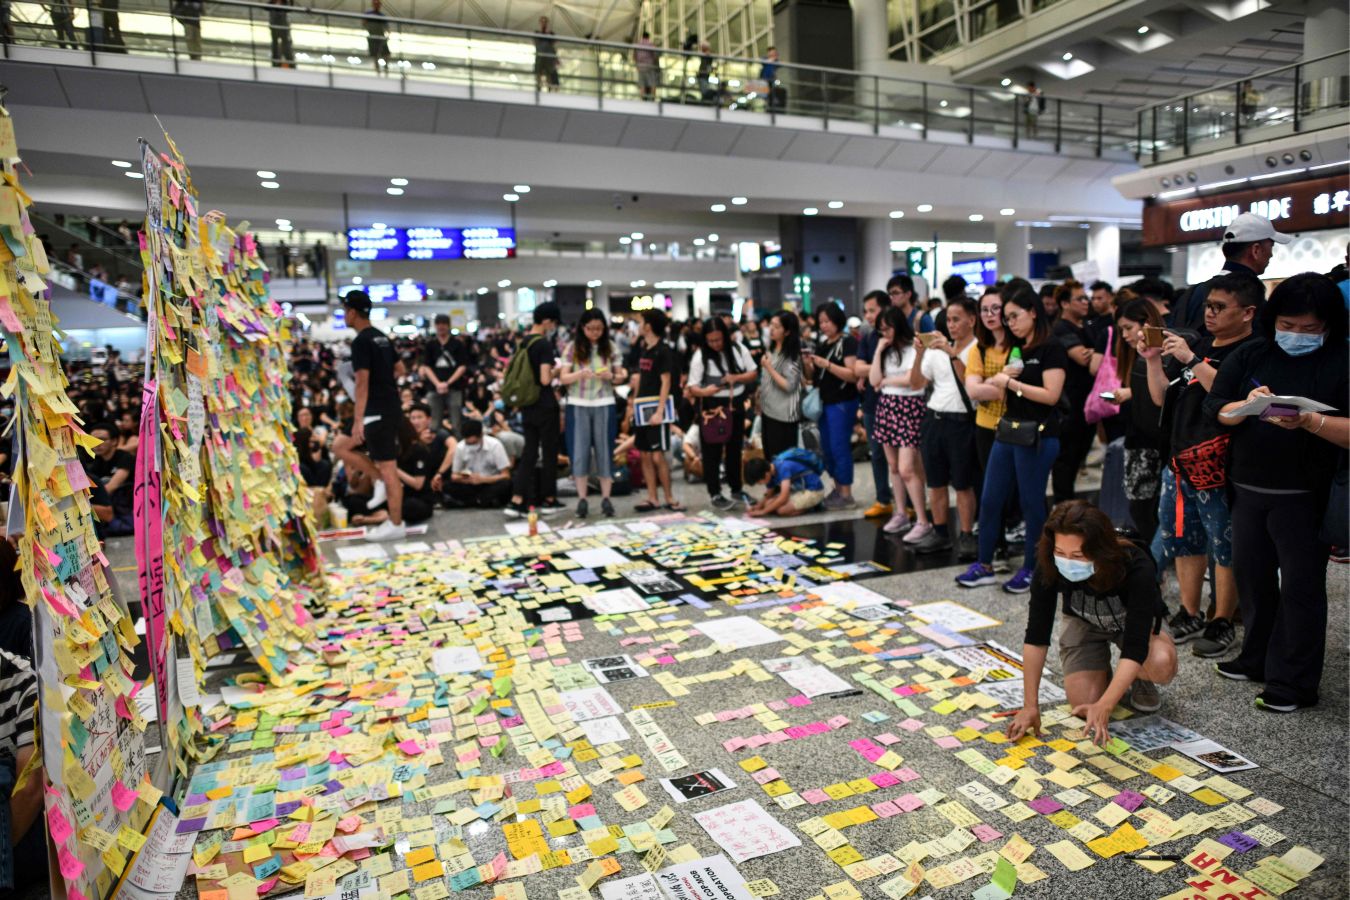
[
  {"x": 502, "y": 685},
  {"x": 1005, "y": 876},
  {"x": 1115, "y": 746},
  {"x": 499, "y": 748},
  {"x": 479, "y": 705}
]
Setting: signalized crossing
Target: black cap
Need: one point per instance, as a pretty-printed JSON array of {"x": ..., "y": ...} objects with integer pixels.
[
  {"x": 547, "y": 312},
  {"x": 358, "y": 301}
]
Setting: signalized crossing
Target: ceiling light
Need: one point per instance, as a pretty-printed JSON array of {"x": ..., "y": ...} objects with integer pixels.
[
  {"x": 897, "y": 214},
  {"x": 924, "y": 207},
  {"x": 625, "y": 240},
  {"x": 285, "y": 228},
  {"x": 637, "y": 235},
  {"x": 1067, "y": 56},
  {"x": 595, "y": 283},
  {"x": 718, "y": 207},
  {"x": 121, "y": 164},
  {"x": 976, "y": 217},
  {"x": 942, "y": 103},
  {"x": 810, "y": 211},
  {"x": 1006, "y": 211},
  {"x": 1005, "y": 82},
  {"x": 272, "y": 185},
  {"x": 353, "y": 60},
  {"x": 394, "y": 192},
  {"x": 739, "y": 201},
  {"x": 712, "y": 238},
  {"x": 481, "y": 292},
  {"x": 356, "y": 279},
  {"x": 552, "y": 282},
  {"x": 379, "y": 225},
  {"x": 505, "y": 282},
  {"x": 835, "y": 204},
  {"x": 133, "y": 174},
  {"x": 429, "y": 66},
  {"x": 266, "y": 174},
  {"x": 699, "y": 242},
  {"x": 521, "y": 189},
  {"x": 399, "y": 182},
  {"x": 1143, "y": 29},
  {"x": 510, "y": 198},
  {"x": 283, "y": 221}
]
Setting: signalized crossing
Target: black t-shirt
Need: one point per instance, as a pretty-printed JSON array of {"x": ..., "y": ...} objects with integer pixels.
[
  {"x": 1077, "y": 378},
  {"x": 373, "y": 351},
  {"x": 652, "y": 363},
  {"x": 1268, "y": 456},
  {"x": 540, "y": 353},
  {"x": 1132, "y": 608},
  {"x": 1048, "y": 354},
  {"x": 436, "y": 449},
  {"x": 416, "y": 461},
  {"x": 101, "y": 469},
  {"x": 1144, "y": 429},
  {"x": 444, "y": 359},
  {"x": 832, "y": 388},
  {"x": 1185, "y": 400}
]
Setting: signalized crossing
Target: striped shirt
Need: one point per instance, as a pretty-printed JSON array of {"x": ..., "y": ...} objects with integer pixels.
[{"x": 18, "y": 697}]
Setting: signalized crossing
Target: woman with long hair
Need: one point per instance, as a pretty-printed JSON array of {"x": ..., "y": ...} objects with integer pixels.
[
  {"x": 780, "y": 388},
  {"x": 415, "y": 471},
  {"x": 590, "y": 369},
  {"x": 1027, "y": 440},
  {"x": 832, "y": 365},
  {"x": 1145, "y": 439},
  {"x": 993, "y": 344},
  {"x": 720, "y": 372},
  {"x": 900, "y": 411},
  {"x": 316, "y": 468},
  {"x": 1108, "y": 591}
]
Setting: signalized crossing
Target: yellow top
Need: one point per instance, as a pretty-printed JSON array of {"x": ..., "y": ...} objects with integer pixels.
[{"x": 987, "y": 412}]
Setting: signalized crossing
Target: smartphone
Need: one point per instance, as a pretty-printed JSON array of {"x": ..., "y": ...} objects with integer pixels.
[
  {"x": 1153, "y": 336},
  {"x": 1277, "y": 411},
  {"x": 1109, "y": 396},
  {"x": 929, "y": 338}
]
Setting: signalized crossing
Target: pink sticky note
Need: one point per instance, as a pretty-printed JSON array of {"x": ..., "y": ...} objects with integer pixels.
[
  {"x": 911, "y": 724},
  {"x": 122, "y": 796},
  {"x": 948, "y": 742},
  {"x": 265, "y": 886},
  {"x": 71, "y": 867},
  {"x": 57, "y": 825},
  {"x": 581, "y": 811},
  {"x": 815, "y": 795},
  {"x": 986, "y": 833},
  {"x": 264, "y": 825}
]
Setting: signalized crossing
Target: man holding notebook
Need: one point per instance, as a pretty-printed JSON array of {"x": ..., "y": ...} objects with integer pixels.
[{"x": 651, "y": 391}]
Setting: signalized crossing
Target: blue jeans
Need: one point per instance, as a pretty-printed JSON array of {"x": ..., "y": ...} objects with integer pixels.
[
  {"x": 881, "y": 475},
  {"x": 836, "y": 440},
  {"x": 590, "y": 431},
  {"x": 1029, "y": 467}
]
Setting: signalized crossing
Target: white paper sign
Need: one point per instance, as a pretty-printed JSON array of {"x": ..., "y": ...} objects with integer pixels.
[
  {"x": 814, "y": 681},
  {"x": 713, "y": 878},
  {"x": 639, "y": 887},
  {"x": 746, "y": 831},
  {"x": 455, "y": 660},
  {"x": 619, "y": 600},
  {"x": 738, "y": 632},
  {"x": 597, "y": 557},
  {"x": 605, "y": 730},
  {"x": 590, "y": 703},
  {"x": 845, "y": 593},
  {"x": 952, "y": 616}
]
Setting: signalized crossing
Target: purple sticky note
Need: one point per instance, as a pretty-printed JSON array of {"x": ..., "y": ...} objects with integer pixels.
[
  {"x": 883, "y": 779},
  {"x": 986, "y": 833},
  {"x": 1239, "y": 841},
  {"x": 947, "y": 742},
  {"x": 1128, "y": 800},
  {"x": 1046, "y": 805},
  {"x": 190, "y": 826}
]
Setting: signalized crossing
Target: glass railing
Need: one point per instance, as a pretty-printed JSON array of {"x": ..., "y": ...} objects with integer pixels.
[
  {"x": 1301, "y": 97},
  {"x": 346, "y": 48}
]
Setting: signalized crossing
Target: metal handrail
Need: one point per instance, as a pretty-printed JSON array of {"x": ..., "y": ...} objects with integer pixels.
[{"x": 1223, "y": 86}]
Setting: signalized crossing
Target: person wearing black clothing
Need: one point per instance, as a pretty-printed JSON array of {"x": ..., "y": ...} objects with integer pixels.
[
  {"x": 283, "y": 53},
  {"x": 445, "y": 366},
  {"x": 1145, "y": 439},
  {"x": 1281, "y": 468},
  {"x": 1248, "y": 246},
  {"x": 541, "y": 422},
  {"x": 377, "y": 37},
  {"x": 1076, "y": 434},
  {"x": 834, "y": 364},
  {"x": 414, "y": 471},
  {"x": 315, "y": 467},
  {"x": 718, "y": 377},
  {"x": 1108, "y": 591},
  {"x": 545, "y": 57},
  {"x": 874, "y": 304},
  {"x": 1194, "y": 518},
  {"x": 1103, "y": 310},
  {"x": 113, "y": 470},
  {"x": 372, "y": 447},
  {"x": 654, "y": 380}
]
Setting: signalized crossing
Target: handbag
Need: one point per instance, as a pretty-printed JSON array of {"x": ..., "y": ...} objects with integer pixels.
[
  {"x": 1018, "y": 432},
  {"x": 714, "y": 425},
  {"x": 812, "y": 406},
  {"x": 1107, "y": 382}
]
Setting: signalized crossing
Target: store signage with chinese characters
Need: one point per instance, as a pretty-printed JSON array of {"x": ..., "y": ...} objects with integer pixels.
[
  {"x": 399, "y": 292},
  {"x": 1314, "y": 205},
  {"x": 479, "y": 242}
]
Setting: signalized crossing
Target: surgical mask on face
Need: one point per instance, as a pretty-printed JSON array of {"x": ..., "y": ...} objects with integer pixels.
[
  {"x": 340, "y": 396},
  {"x": 499, "y": 404},
  {"x": 1295, "y": 343},
  {"x": 1074, "y": 569}
]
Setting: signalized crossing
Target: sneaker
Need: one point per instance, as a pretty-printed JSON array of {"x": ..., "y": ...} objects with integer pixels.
[
  {"x": 1219, "y": 638},
  {"x": 607, "y": 508},
  {"x": 932, "y": 542},
  {"x": 516, "y": 511},
  {"x": 879, "y": 510},
  {"x": 1017, "y": 534},
  {"x": 550, "y": 507},
  {"x": 1272, "y": 703},
  {"x": 1184, "y": 626},
  {"x": 967, "y": 547},
  {"x": 583, "y": 508},
  {"x": 920, "y": 531},
  {"x": 1145, "y": 696},
  {"x": 978, "y": 575},
  {"x": 1019, "y": 583},
  {"x": 387, "y": 531},
  {"x": 839, "y": 501},
  {"x": 898, "y": 524},
  {"x": 379, "y": 496},
  {"x": 723, "y": 502},
  {"x": 1233, "y": 672}
]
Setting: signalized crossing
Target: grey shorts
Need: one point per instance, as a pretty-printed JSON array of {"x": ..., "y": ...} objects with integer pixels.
[{"x": 1083, "y": 648}]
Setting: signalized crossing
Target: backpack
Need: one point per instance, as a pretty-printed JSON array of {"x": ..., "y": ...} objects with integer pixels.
[
  {"x": 520, "y": 385},
  {"x": 804, "y": 457}
]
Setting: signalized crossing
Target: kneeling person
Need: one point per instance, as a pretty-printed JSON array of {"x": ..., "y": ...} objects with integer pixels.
[
  {"x": 1110, "y": 596},
  {"x": 792, "y": 483}
]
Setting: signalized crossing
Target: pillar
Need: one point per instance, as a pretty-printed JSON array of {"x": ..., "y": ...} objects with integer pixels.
[
  {"x": 871, "y": 32},
  {"x": 874, "y": 255},
  {"x": 1103, "y": 248},
  {"x": 1324, "y": 32},
  {"x": 1012, "y": 253}
]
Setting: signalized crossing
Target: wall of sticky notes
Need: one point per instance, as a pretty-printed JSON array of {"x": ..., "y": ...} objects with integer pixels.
[{"x": 92, "y": 733}]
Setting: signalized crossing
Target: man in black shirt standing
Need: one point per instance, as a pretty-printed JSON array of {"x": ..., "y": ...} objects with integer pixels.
[
  {"x": 375, "y": 422},
  {"x": 542, "y": 421},
  {"x": 655, "y": 377},
  {"x": 445, "y": 366},
  {"x": 1075, "y": 437},
  {"x": 112, "y": 469}
]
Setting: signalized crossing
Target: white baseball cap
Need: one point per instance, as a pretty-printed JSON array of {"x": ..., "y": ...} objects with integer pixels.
[{"x": 1249, "y": 228}]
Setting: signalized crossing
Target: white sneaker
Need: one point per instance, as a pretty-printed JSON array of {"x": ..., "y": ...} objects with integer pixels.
[
  {"x": 379, "y": 496},
  {"x": 918, "y": 533},
  {"x": 387, "y": 531},
  {"x": 898, "y": 524}
]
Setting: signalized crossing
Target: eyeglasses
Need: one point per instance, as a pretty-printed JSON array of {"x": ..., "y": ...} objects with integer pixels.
[
  {"x": 991, "y": 311},
  {"x": 1217, "y": 308}
]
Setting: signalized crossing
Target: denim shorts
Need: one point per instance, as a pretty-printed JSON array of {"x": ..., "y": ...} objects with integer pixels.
[{"x": 1206, "y": 526}]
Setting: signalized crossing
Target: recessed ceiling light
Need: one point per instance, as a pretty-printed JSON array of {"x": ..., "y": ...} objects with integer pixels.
[
  {"x": 263, "y": 173},
  {"x": 810, "y": 211},
  {"x": 505, "y": 282},
  {"x": 379, "y": 225},
  {"x": 897, "y": 214},
  {"x": 399, "y": 182},
  {"x": 942, "y": 103},
  {"x": 429, "y": 66},
  {"x": 594, "y": 283},
  {"x": 481, "y": 292},
  {"x": 835, "y": 204},
  {"x": 285, "y": 228},
  {"x": 522, "y": 189},
  {"x": 121, "y": 164},
  {"x": 712, "y": 238},
  {"x": 283, "y": 221},
  {"x": 1067, "y": 56},
  {"x": 552, "y": 282},
  {"x": 133, "y": 174},
  {"x": 924, "y": 207},
  {"x": 976, "y": 217},
  {"x": 1006, "y": 211},
  {"x": 637, "y": 235},
  {"x": 394, "y": 192},
  {"x": 1005, "y": 82},
  {"x": 1143, "y": 29},
  {"x": 356, "y": 279},
  {"x": 699, "y": 242},
  {"x": 718, "y": 207},
  {"x": 510, "y": 198},
  {"x": 270, "y": 185},
  {"x": 625, "y": 240},
  {"x": 739, "y": 201}
]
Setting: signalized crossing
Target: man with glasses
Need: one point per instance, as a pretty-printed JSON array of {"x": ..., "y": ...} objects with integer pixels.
[{"x": 1248, "y": 247}]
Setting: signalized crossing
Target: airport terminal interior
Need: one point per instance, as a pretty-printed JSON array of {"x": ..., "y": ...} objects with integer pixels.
[{"x": 674, "y": 449}]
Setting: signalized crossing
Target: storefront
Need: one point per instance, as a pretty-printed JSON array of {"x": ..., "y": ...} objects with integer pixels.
[{"x": 1315, "y": 210}]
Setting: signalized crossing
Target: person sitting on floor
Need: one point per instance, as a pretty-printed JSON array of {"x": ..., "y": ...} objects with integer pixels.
[
  {"x": 481, "y": 474},
  {"x": 1110, "y": 596},
  {"x": 414, "y": 471},
  {"x": 792, "y": 483}
]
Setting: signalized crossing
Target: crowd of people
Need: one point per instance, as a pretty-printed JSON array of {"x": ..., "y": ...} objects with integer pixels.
[{"x": 970, "y": 411}]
